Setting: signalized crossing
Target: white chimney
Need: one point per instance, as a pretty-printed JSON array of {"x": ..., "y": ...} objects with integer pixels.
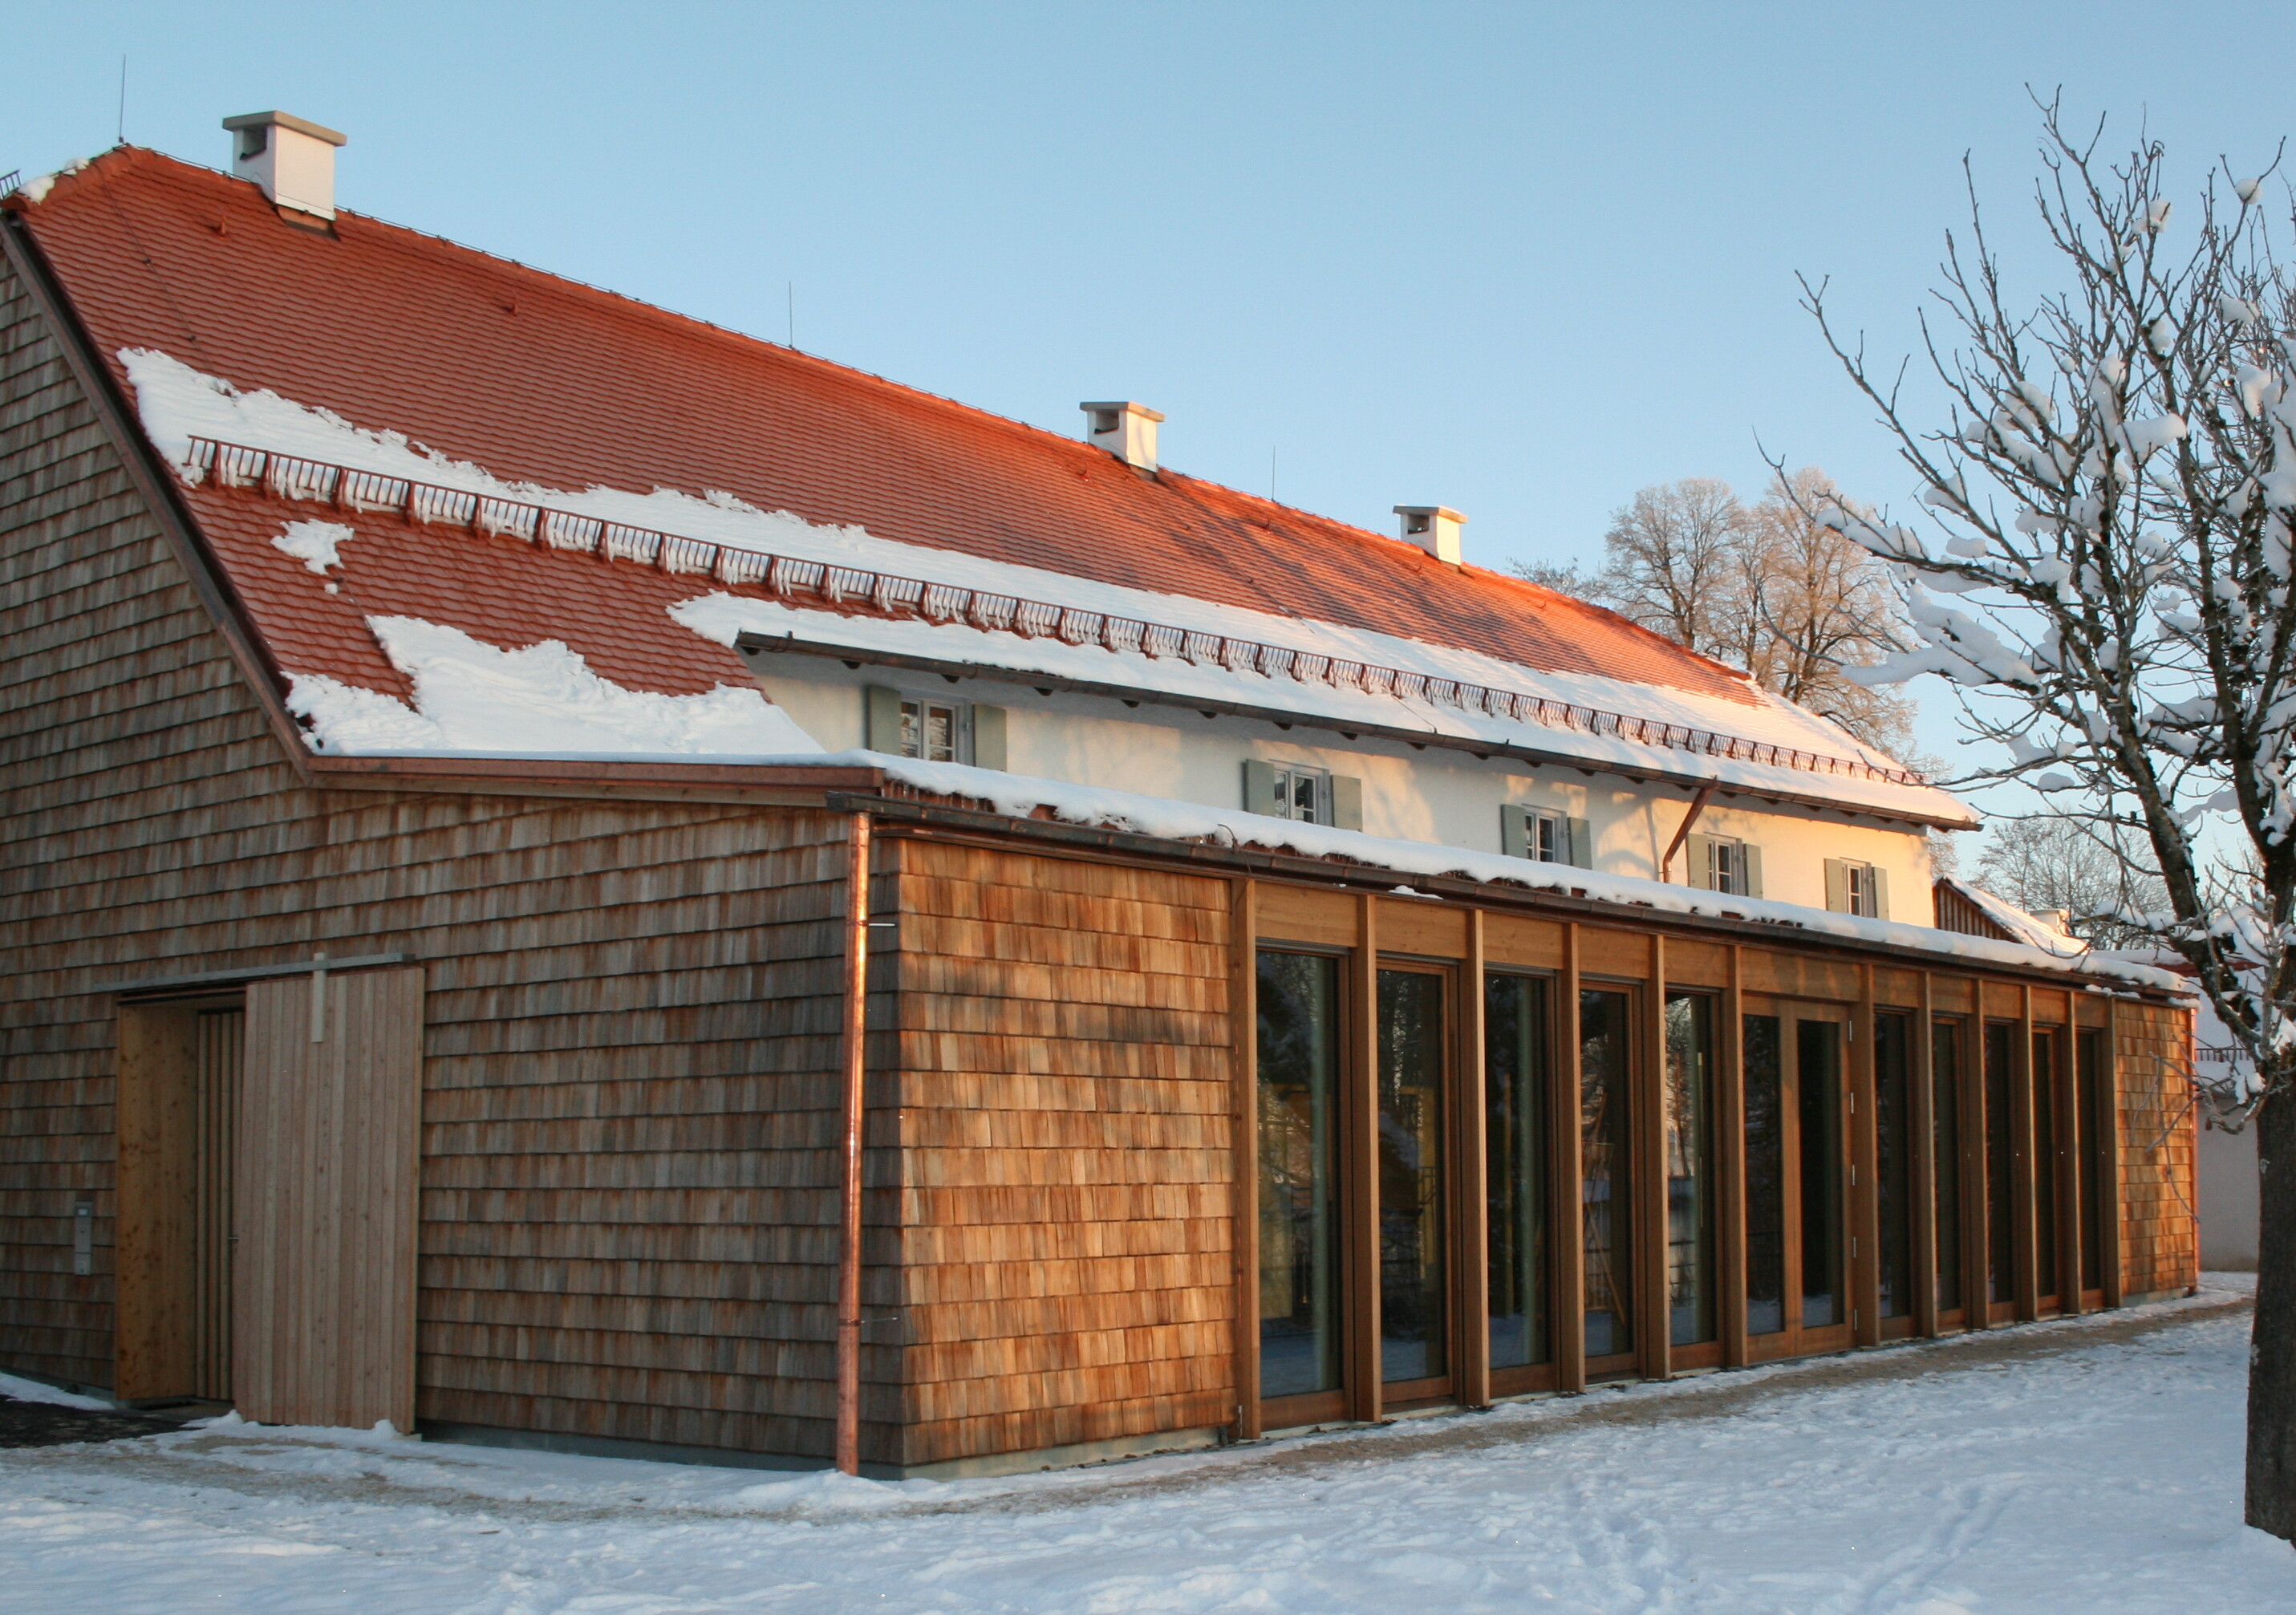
[
  {"x": 1433, "y": 528},
  {"x": 291, "y": 158},
  {"x": 1126, "y": 430}
]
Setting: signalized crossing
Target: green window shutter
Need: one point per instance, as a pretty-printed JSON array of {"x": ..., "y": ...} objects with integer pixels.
[
  {"x": 1582, "y": 844},
  {"x": 1881, "y": 892},
  {"x": 1347, "y": 802},
  {"x": 881, "y": 712},
  {"x": 1837, "y": 886},
  {"x": 1259, "y": 788},
  {"x": 1753, "y": 870},
  {"x": 1698, "y": 869},
  {"x": 1514, "y": 830},
  {"x": 987, "y": 737}
]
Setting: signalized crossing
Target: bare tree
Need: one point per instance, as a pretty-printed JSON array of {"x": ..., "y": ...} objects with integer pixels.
[
  {"x": 1670, "y": 560},
  {"x": 2114, "y": 485},
  {"x": 2083, "y": 866},
  {"x": 1811, "y": 606},
  {"x": 1768, "y": 587}
]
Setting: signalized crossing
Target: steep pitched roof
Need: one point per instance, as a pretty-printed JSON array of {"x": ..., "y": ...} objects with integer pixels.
[{"x": 543, "y": 380}]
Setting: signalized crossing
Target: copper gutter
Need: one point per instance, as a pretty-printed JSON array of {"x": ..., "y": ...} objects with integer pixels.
[{"x": 848, "y": 1245}]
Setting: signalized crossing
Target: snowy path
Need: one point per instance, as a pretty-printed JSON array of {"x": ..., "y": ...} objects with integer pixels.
[{"x": 2091, "y": 1466}]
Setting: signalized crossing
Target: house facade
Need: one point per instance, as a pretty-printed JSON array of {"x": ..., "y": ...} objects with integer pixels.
[{"x": 475, "y": 744}]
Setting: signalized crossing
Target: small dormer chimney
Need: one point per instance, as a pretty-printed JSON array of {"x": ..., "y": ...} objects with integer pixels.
[
  {"x": 1126, "y": 430},
  {"x": 1433, "y": 528},
  {"x": 291, "y": 158}
]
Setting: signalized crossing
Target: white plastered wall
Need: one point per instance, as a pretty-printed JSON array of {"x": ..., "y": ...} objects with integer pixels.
[{"x": 1443, "y": 797}]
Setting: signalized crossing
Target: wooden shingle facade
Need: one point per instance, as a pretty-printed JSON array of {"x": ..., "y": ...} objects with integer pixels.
[{"x": 501, "y": 1095}]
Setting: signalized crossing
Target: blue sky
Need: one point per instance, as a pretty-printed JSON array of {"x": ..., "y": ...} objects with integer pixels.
[{"x": 1520, "y": 260}]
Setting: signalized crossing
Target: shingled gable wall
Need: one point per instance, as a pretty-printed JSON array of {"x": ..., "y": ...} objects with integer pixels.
[{"x": 627, "y": 1178}]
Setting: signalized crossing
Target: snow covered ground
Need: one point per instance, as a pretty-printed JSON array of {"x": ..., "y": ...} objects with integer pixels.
[{"x": 2089, "y": 1466}]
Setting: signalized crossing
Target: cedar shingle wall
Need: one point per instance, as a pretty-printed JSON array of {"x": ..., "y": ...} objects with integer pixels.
[
  {"x": 628, "y": 1204},
  {"x": 1065, "y": 1122},
  {"x": 2158, "y": 1151}
]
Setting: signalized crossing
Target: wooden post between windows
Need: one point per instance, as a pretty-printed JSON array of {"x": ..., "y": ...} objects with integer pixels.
[
  {"x": 1652, "y": 1292},
  {"x": 1730, "y": 1161},
  {"x": 2072, "y": 1127},
  {"x": 1922, "y": 1122},
  {"x": 1569, "y": 1186},
  {"x": 2025, "y": 1255},
  {"x": 1473, "y": 1199},
  {"x": 2110, "y": 1154},
  {"x": 1865, "y": 1168},
  {"x": 1359, "y": 1136},
  {"x": 1243, "y": 1033}
]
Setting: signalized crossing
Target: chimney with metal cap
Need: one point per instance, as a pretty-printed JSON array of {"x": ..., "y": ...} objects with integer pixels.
[
  {"x": 1126, "y": 430},
  {"x": 291, "y": 158},
  {"x": 1433, "y": 528}
]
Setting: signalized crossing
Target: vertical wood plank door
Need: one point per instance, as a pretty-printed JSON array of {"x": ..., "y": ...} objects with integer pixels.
[{"x": 322, "y": 1293}]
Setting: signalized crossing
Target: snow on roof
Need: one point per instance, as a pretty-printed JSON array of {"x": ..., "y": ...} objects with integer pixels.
[
  {"x": 2028, "y": 928},
  {"x": 548, "y": 385},
  {"x": 188, "y": 414}
]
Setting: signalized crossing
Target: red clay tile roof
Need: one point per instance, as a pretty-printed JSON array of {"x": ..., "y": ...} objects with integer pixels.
[{"x": 541, "y": 379}]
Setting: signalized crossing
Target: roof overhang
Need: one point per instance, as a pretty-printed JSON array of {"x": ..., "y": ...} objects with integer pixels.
[{"x": 754, "y": 647}]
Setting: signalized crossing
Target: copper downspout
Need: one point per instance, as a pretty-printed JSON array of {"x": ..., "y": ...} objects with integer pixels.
[
  {"x": 848, "y": 1245},
  {"x": 1697, "y": 806}
]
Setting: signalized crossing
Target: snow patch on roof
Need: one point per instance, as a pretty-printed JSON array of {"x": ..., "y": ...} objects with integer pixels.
[
  {"x": 470, "y": 696},
  {"x": 177, "y": 402},
  {"x": 314, "y": 543}
]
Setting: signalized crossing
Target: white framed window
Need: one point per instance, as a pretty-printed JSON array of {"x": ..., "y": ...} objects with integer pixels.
[
  {"x": 935, "y": 728},
  {"x": 1853, "y": 887},
  {"x": 1725, "y": 862},
  {"x": 1306, "y": 791},
  {"x": 1545, "y": 836}
]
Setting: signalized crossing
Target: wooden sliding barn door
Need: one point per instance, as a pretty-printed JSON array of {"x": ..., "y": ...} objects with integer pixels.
[{"x": 323, "y": 1325}]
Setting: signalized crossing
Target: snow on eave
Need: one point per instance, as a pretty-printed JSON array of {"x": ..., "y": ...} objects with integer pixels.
[
  {"x": 178, "y": 403},
  {"x": 1162, "y": 818},
  {"x": 2030, "y": 929}
]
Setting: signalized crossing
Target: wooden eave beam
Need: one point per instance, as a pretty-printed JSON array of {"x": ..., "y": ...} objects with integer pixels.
[{"x": 898, "y": 815}]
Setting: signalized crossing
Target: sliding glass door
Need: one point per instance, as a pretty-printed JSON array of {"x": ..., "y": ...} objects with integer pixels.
[
  {"x": 1796, "y": 1165},
  {"x": 1605, "y": 1177},
  {"x": 1299, "y": 1291},
  {"x": 1412, "y": 1188},
  {"x": 1516, "y": 1097},
  {"x": 1688, "y": 1104}
]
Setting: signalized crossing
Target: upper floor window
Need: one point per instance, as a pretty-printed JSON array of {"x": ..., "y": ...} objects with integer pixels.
[
  {"x": 934, "y": 728},
  {"x": 1725, "y": 863},
  {"x": 1305, "y": 792},
  {"x": 1857, "y": 888},
  {"x": 1545, "y": 836}
]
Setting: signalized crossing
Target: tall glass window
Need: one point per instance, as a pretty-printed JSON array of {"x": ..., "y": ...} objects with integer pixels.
[
  {"x": 1945, "y": 1159},
  {"x": 1514, "y": 1062},
  {"x": 1298, "y": 1189},
  {"x": 1605, "y": 1073},
  {"x": 1766, "y": 1176},
  {"x": 2045, "y": 1162},
  {"x": 2000, "y": 1172},
  {"x": 1893, "y": 1124},
  {"x": 1817, "y": 1050},
  {"x": 1413, "y": 1287},
  {"x": 2097, "y": 1135},
  {"x": 1689, "y": 1123}
]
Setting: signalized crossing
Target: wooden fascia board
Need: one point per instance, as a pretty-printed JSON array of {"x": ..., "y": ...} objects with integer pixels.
[
  {"x": 754, "y": 646},
  {"x": 156, "y": 485},
  {"x": 900, "y": 815},
  {"x": 755, "y": 785}
]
